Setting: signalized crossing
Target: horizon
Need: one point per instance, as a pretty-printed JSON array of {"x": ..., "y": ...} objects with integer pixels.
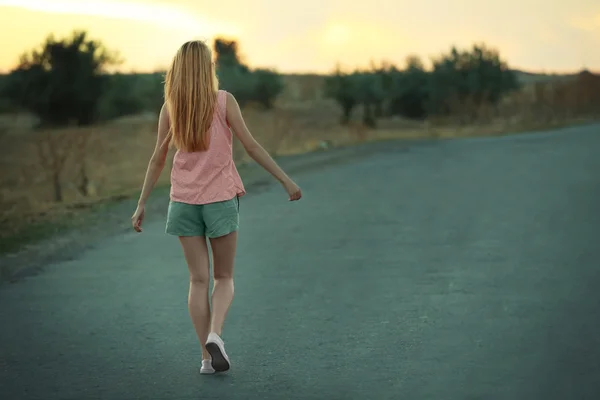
[{"x": 541, "y": 39}]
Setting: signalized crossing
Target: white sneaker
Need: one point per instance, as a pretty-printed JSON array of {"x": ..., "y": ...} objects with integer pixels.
[
  {"x": 216, "y": 348},
  {"x": 207, "y": 368}
]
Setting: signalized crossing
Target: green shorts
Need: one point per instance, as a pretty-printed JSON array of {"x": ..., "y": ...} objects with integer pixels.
[{"x": 211, "y": 220}]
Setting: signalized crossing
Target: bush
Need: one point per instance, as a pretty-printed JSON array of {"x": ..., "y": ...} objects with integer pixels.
[{"x": 130, "y": 94}]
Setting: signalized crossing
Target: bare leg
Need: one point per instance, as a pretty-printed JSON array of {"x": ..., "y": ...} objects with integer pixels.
[
  {"x": 223, "y": 250},
  {"x": 196, "y": 255}
]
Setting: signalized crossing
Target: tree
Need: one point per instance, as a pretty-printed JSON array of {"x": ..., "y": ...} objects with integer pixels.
[
  {"x": 5, "y": 103},
  {"x": 236, "y": 80},
  {"x": 261, "y": 85},
  {"x": 478, "y": 76},
  {"x": 62, "y": 83},
  {"x": 227, "y": 54},
  {"x": 341, "y": 87},
  {"x": 408, "y": 90},
  {"x": 121, "y": 98},
  {"x": 385, "y": 74},
  {"x": 233, "y": 75},
  {"x": 369, "y": 92},
  {"x": 364, "y": 88},
  {"x": 267, "y": 86}
]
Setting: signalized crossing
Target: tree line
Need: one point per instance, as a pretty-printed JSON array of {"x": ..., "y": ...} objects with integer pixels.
[
  {"x": 71, "y": 82},
  {"x": 66, "y": 82},
  {"x": 478, "y": 76}
]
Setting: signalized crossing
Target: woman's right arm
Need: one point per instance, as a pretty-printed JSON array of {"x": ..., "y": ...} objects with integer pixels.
[{"x": 255, "y": 150}]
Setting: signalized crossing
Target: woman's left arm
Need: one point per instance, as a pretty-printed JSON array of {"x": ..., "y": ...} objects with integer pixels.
[{"x": 155, "y": 167}]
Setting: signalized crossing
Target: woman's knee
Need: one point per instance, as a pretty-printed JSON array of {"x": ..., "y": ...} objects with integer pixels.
[
  {"x": 199, "y": 279},
  {"x": 219, "y": 275}
]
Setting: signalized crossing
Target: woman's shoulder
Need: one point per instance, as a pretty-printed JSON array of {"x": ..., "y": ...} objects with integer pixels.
[
  {"x": 225, "y": 94},
  {"x": 222, "y": 96},
  {"x": 225, "y": 97}
]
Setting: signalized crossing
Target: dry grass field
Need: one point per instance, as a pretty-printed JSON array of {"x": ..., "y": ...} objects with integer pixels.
[{"x": 114, "y": 155}]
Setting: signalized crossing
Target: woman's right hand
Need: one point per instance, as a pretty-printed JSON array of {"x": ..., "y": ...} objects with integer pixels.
[{"x": 293, "y": 190}]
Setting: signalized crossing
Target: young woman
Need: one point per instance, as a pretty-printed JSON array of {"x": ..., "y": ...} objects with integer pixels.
[{"x": 205, "y": 187}]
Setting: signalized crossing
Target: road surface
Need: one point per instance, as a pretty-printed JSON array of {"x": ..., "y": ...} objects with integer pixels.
[{"x": 463, "y": 269}]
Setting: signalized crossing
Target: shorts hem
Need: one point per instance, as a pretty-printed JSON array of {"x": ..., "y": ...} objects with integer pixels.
[{"x": 221, "y": 233}]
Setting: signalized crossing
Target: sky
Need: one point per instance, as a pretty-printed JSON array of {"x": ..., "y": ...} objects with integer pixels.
[{"x": 314, "y": 35}]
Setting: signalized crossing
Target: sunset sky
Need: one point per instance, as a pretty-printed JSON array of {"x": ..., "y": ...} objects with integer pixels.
[{"x": 312, "y": 35}]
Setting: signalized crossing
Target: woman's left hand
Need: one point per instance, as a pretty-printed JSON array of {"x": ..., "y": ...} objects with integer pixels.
[{"x": 138, "y": 218}]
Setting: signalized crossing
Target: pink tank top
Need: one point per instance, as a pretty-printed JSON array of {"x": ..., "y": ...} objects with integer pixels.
[{"x": 208, "y": 176}]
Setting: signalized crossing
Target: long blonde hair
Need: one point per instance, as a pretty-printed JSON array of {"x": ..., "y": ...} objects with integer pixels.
[{"x": 191, "y": 87}]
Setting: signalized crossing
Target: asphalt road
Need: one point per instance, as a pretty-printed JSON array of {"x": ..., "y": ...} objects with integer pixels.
[{"x": 464, "y": 269}]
